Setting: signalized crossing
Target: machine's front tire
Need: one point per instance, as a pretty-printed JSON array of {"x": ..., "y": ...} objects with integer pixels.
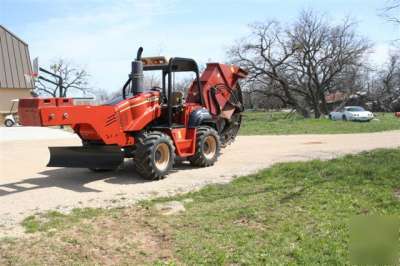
[
  {"x": 208, "y": 146},
  {"x": 8, "y": 123},
  {"x": 154, "y": 155}
]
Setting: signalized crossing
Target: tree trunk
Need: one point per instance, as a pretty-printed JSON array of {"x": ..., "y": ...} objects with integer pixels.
[
  {"x": 323, "y": 105},
  {"x": 303, "y": 111},
  {"x": 317, "y": 113}
]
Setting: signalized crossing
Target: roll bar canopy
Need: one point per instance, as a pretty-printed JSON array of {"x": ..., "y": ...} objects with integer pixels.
[{"x": 176, "y": 64}]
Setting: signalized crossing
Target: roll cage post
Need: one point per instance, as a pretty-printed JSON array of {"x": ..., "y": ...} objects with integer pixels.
[{"x": 178, "y": 64}]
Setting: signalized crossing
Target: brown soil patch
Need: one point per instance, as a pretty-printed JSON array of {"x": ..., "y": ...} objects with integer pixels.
[{"x": 128, "y": 237}]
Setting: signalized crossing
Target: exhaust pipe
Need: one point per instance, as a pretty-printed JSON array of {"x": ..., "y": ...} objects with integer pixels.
[{"x": 136, "y": 76}]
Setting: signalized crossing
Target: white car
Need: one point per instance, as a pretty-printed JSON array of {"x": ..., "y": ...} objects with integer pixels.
[{"x": 352, "y": 113}]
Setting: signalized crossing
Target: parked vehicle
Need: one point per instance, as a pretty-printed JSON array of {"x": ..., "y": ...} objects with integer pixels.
[
  {"x": 11, "y": 119},
  {"x": 352, "y": 113}
]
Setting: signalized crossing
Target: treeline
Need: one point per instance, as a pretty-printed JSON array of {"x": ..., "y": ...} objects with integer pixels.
[{"x": 303, "y": 66}]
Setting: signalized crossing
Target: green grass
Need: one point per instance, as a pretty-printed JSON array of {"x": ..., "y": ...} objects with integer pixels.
[
  {"x": 57, "y": 220},
  {"x": 292, "y": 213},
  {"x": 289, "y": 214},
  {"x": 265, "y": 123}
]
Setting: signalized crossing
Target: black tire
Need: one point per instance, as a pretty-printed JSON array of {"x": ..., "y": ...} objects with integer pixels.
[
  {"x": 205, "y": 155},
  {"x": 154, "y": 155},
  {"x": 8, "y": 123},
  {"x": 344, "y": 118}
]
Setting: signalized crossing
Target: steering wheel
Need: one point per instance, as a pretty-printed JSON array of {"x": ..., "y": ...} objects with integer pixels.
[
  {"x": 159, "y": 89},
  {"x": 156, "y": 88}
]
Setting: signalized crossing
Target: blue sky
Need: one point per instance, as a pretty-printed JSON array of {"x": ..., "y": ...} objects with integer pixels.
[{"x": 103, "y": 36}]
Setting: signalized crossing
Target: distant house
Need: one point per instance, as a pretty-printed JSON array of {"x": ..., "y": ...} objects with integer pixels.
[
  {"x": 340, "y": 99},
  {"x": 15, "y": 69},
  {"x": 336, "y": 97}
]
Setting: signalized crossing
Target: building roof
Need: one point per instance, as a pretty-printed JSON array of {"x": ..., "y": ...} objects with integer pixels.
[
  {"x": 337, "y": 96},
  {"x": 15, "y": 63}
]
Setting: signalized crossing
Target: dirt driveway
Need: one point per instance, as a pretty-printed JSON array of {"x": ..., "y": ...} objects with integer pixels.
[{"x": 27, "y": 186}]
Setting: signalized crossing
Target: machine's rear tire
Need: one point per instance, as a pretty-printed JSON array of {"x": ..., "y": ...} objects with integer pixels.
[
  {"x": 154, "y": 155},
  {"x": 208, "y": 146},
  {"x": 8, "y": 123}
]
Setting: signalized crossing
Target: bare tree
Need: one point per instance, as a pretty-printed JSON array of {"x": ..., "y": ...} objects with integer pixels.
[
  {"x": 386, "y": 94},
  {"x": 392, "y": 11},
  {"x": 73, "y": 78},
  {"x": 301, "y": 63},
  {"x": 327, "y": 56},
  {"x": 265, "y": 54},
  {"x": 101, "y": 95}
]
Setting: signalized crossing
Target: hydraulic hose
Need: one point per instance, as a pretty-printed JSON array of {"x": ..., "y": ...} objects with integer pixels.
[{"x": 124, "y": 88}]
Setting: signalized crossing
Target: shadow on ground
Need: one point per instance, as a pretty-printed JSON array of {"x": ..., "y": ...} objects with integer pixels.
[{"x": 75, "y": 179}]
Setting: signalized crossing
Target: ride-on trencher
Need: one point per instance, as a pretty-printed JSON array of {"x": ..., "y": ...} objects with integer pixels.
[{"x": 150, "y": 126}]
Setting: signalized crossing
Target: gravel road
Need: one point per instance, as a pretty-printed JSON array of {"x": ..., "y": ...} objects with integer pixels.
[{"x": 28, "y": 187}]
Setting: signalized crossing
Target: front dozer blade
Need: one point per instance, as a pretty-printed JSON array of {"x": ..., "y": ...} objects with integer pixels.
[{"x": 95, "y": 157}]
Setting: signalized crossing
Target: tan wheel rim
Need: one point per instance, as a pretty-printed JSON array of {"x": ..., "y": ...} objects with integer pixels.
[
  {"x": 162, "y": 156},
  {"x": 210, "y": 147}
]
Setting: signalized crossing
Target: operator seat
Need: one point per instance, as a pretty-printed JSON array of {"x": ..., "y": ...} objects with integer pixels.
[
  {"x": 176, "y": 98},
  {"x": 176, "y": 109}
]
